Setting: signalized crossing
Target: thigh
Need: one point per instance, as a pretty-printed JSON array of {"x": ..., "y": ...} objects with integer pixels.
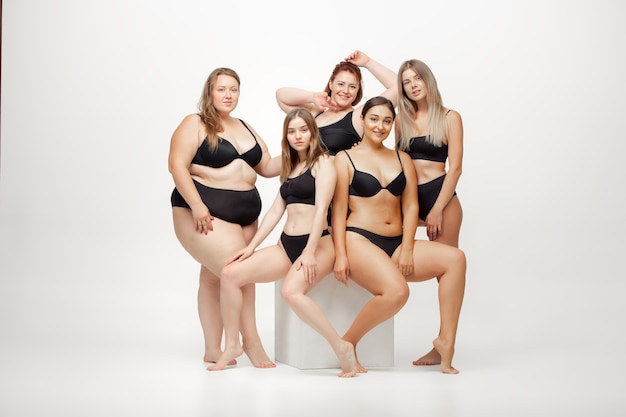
[
  {"x": 370, "y": 267},
  {"x": 431, "y": 260},
  {"x": 451, "y": 224},
  {"x": 325, "y": 258},
  {"x": 265, "y": 265},
  {"x": 215, "y": 248}
]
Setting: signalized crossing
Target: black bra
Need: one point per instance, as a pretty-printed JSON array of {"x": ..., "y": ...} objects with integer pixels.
[
  {"x": 366, "y": 185},
  {"x": 300, "y": 189},
  {"x": 225, "y": 153},
  {"x": 420, "y": 148},
  {"x": 339, "y": 135}
]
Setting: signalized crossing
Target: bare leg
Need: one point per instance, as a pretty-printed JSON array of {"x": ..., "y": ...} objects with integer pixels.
[
  {"x": 210, "y": 315},
  {"x": 372, "y": 269},
  {"x": 294, "y": 292},
  {"x": 252, "y": 345},
  {"x": 449, "y": 264},
  {"x": 452, "y": 218},
  {"x": 266, "y": 265},
  {"x": 212, "y": 251}
]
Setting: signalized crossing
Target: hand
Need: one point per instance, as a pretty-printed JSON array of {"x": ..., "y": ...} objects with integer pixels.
[
  {"x": 405, "y": 262},
  {"x": 308, "y": 264},
  {"x": 322, "y": 101},
  {"x": 342, "y": 269},
  {"x": 202, "y": 219},
  {"x": 358, "y": 58},
  {"x": 242, "y": 254},
  {"x": 433, "y": 224}
]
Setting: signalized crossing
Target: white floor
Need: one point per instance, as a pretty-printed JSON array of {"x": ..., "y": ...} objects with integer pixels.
[{"x": 509, "y": 367}]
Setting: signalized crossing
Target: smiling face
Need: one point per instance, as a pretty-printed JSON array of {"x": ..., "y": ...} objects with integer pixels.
[
  {"x": 225, "y": 93},
  {"x": 413, "y": 85},
  {"x": 344, "y": 88},
  {"x": 377, "y": 123}
]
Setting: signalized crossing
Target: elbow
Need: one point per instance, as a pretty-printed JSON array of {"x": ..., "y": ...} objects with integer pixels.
[{"x": 455, "y": 172}]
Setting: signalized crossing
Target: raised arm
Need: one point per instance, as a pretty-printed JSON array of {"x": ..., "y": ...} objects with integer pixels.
[
  {"x": 290, "y": 98},
  {"x": 383, "y": 74}
]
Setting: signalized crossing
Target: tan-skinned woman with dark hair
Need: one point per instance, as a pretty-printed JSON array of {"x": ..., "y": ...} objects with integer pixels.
[{"x": 374, "y": 222}]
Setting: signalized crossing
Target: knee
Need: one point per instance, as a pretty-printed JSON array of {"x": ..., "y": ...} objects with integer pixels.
[
  {"x": 288, "y": 294},
  {"x": 459, "y": 259},
  {"x": 399, "y": 294},
  {"x": 228, "y": 273}
]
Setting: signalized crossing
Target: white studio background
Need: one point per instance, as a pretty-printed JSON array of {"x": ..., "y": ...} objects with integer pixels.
[{"x": 92, "y": 91}]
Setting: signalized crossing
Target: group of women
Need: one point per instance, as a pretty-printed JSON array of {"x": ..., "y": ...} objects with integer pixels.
[{"x": 353, "y": 206}]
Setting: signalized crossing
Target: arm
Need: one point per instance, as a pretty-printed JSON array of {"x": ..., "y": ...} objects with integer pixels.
[
  {"x": 269, "y": 222},
  {"x": 455, "y": 161},
  {"x": 325, "y": 179},
  {"x": 290, "y": 98},
  {"x": 269, "y": 166},
  {"x": 183, "y": 147},
  {"x": 383, "y": 74},
  {"x": 339, "y": 217},
  {"x": 410, "y": 210}
]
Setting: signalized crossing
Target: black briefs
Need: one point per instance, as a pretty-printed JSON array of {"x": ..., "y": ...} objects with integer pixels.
[
  {"x": 387, "y": 243},
  {"x": 294, "y": 245},
  {"x": 427, "y": 194},
  {"x": 240, "y": 207}
]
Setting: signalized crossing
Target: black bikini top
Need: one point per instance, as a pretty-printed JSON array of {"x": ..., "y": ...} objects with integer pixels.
[
  {"x": 300, "y": 189},
  {"x": 340, "y": 135},
  {"x": 420, "y": 148},
  {"x": 366, "y": 185},
  {"x": 225, "y": 153}
]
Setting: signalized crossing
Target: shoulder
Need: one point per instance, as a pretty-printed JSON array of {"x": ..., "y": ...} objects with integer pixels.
[
  {"x": 453, "y": 116},
  {"x": 191, "y": 119},
  {"x": 189, "y": 126},
  {"x": 341, "y": 158},
  {"x": 405, "y": 157},
  {"x": 323, "y": 163}
]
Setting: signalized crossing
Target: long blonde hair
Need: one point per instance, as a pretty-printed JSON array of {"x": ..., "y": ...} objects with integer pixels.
[
  {"x": 407, "y": 109},
  {"x": 289, "y": 156},
  {"x": 208, "y": 114}
]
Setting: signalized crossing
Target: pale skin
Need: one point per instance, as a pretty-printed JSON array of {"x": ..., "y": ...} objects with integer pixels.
[
  {"x": 443, "y": 223},
  {"x": 208, "y": 239},
  {"x": 272, "y": 263},
  {"x": 343, "y": 88},
  {"x": 388, "y": 215}
]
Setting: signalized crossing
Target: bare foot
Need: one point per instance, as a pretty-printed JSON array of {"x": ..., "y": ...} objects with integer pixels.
[
  {"x": 258, "y": 357},
  {"x": 431, "y": 358},
  {"x": 347, "y": 359},
  {"x": 210, "y": 358},
  {"x": 226, "y": 358},
  {"x": 360, "y": 368},
  {"x": 446, "y": 350}
]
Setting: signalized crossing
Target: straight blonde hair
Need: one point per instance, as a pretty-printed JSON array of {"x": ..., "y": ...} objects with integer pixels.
[{"x": 407, "y": 109}]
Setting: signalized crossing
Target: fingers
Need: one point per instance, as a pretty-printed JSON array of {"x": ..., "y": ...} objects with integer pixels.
[{"x": 204, "y": 226}]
